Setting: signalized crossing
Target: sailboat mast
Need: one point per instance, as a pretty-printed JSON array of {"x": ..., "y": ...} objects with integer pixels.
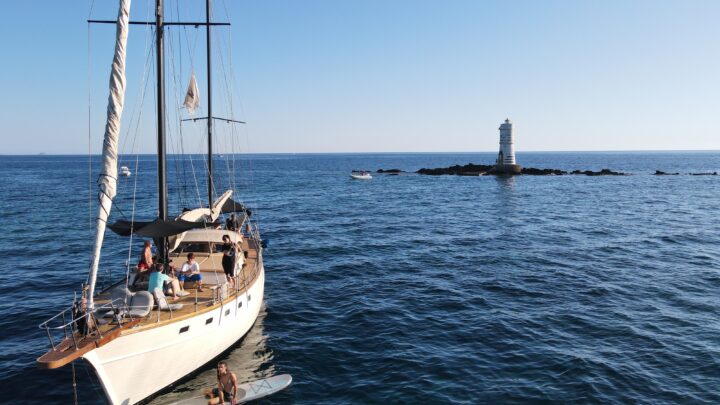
[
  {"x": 162, "y": 182},
  {"x": 210, "y": 114}
]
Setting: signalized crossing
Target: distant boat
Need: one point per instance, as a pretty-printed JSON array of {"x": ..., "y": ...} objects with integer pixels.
[
  {"x": 361, "y": 175},
  {"x": 125, "y": 171}
]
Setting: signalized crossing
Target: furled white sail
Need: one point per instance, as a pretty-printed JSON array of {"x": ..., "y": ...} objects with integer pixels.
[
  {"x": 108, "y": 176},
  {"x": 192, "y": 97}
]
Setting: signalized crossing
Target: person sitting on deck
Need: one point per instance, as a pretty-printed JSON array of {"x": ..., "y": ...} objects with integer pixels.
[
  {"x": 158, "y": 279},
  {"x": 232, "y": 224},
  {"x": 190, "y": 271}
]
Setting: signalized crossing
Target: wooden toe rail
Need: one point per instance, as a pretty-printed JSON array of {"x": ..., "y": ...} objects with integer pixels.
[{"x": 66, "y": 351}]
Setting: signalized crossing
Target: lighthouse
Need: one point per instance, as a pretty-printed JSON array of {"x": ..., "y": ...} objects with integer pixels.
[{"x": 506, "y": 157}]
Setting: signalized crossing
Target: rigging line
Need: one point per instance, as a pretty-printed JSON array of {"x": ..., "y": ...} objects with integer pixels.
[
  {"x": 214, "y": 185},
  {"x": 192, "y": 169},
  {"x": 191, "y": 53},
  {"x": 245, "y": 130},
  {"x": 181, "y": 135},
  {"x": 180, "y": 130},
  {"x": 149, "y": 38},
  {"x": 229, "y": 87},
  {"x": 138, "y": 109},
  {"x": 90, "y": 12},
  {"x": 249, "y": 172},
  {"x": 170, "y": 51},
  {"x": 230, "y": 164},
  {"x": 231, "y": 84},
  {"x": 149, "y": 61},
  {"x": 192, "y": 165},
  {"x": 230, "y": 173},
  {"x": 179, "y": 162},
  {"x": 132, "y": 221}
]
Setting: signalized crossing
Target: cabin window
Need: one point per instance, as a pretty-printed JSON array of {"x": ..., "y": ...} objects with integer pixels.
[
  {"x": 209, "y": 320},
  {"x": 240, "y": 304},
  {"x": 184, "y": 329},
  {"x": 197, "y": 247},
  {"x": 227, "y": 312},
  {"x": 249, "y": 297}
]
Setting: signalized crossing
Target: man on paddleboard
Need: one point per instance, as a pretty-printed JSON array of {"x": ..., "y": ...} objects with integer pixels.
[{"x": 227, "y": 389}]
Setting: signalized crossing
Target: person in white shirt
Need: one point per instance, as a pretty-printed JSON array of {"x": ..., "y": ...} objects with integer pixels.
[{"x": 190, "y": 271}]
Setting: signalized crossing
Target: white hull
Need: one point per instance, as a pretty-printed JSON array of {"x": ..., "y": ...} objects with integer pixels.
[
  {"x": 361, "y": 176},
  {"x": 137, "y": 365}
]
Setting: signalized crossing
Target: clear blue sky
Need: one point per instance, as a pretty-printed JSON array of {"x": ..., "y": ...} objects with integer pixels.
[{"x": 394, "y": 75}]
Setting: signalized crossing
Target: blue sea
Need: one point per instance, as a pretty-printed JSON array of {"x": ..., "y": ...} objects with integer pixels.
[{"x": 410, "y": 289}]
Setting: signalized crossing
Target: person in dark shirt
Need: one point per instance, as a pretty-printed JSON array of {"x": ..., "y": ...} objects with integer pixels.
[
  {"x": 232, "y": 224},
  {"x": 228, "y": 261}
]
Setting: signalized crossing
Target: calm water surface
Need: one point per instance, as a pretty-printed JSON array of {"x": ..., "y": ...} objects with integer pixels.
[{"x": 412, "y": 289}]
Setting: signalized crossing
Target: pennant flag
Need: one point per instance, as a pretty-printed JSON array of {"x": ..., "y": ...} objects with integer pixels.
[{"x": 192, "y": 98}]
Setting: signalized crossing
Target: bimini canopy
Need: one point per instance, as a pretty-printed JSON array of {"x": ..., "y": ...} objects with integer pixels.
[
  {"x": 231, "y": 205},
  {"x": 155, "y": 229}
]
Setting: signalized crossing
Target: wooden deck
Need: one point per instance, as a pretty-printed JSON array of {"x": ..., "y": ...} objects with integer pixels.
[
  {"x": 193, "y": 304},
  {"x": 213, "y": 275}
]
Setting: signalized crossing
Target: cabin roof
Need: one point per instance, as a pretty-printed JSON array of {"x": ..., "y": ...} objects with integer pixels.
[{"x": 210, "y": 235}]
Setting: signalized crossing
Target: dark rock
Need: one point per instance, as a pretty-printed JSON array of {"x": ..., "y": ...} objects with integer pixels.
[
  {"x": 467, "y": 170},
  {"x": 477, "y": 170},
  {"x": 531, "y": 171},
  {"x": 603, "y": 172},
  {"x": 393, "y": 171},
  {"x": 661, "y": 173},
  {"x": 704, "y": 174}
]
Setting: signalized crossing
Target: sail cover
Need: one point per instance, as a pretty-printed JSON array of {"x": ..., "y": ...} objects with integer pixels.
[
  {"x": 231, "y": 205},
  {"x": 154, "y": 229},
  {"x": 108, "y": 177},
  {"x": 192, "y": 97}
]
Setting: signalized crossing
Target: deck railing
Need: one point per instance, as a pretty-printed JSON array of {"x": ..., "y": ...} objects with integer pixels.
[{"x": 59, "y": 325}]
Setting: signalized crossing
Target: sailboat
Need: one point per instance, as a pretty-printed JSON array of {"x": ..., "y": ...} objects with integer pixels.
[{"x": 136, "y": 341}]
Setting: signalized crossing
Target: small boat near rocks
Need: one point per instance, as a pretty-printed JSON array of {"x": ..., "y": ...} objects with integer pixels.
[{"x": 360, "y": 175}]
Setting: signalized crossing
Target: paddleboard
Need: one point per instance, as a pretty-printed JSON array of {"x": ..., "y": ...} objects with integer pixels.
[{"x": 248, "y": 391}]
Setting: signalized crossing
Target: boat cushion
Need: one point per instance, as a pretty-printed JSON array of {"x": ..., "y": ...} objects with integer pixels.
[
  {"x": 162, "y": 302},
  {"x": 141, "y": 304}
]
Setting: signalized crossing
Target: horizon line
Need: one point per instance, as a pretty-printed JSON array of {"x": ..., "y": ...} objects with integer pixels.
[{"x": 370, "y": 153}]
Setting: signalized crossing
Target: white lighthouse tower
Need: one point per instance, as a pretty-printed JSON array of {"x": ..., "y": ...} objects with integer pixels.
[{"x": 506, "y": 157}]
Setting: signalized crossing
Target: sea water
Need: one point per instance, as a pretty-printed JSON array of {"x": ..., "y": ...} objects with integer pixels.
[{"x": 409, "y": 288}]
